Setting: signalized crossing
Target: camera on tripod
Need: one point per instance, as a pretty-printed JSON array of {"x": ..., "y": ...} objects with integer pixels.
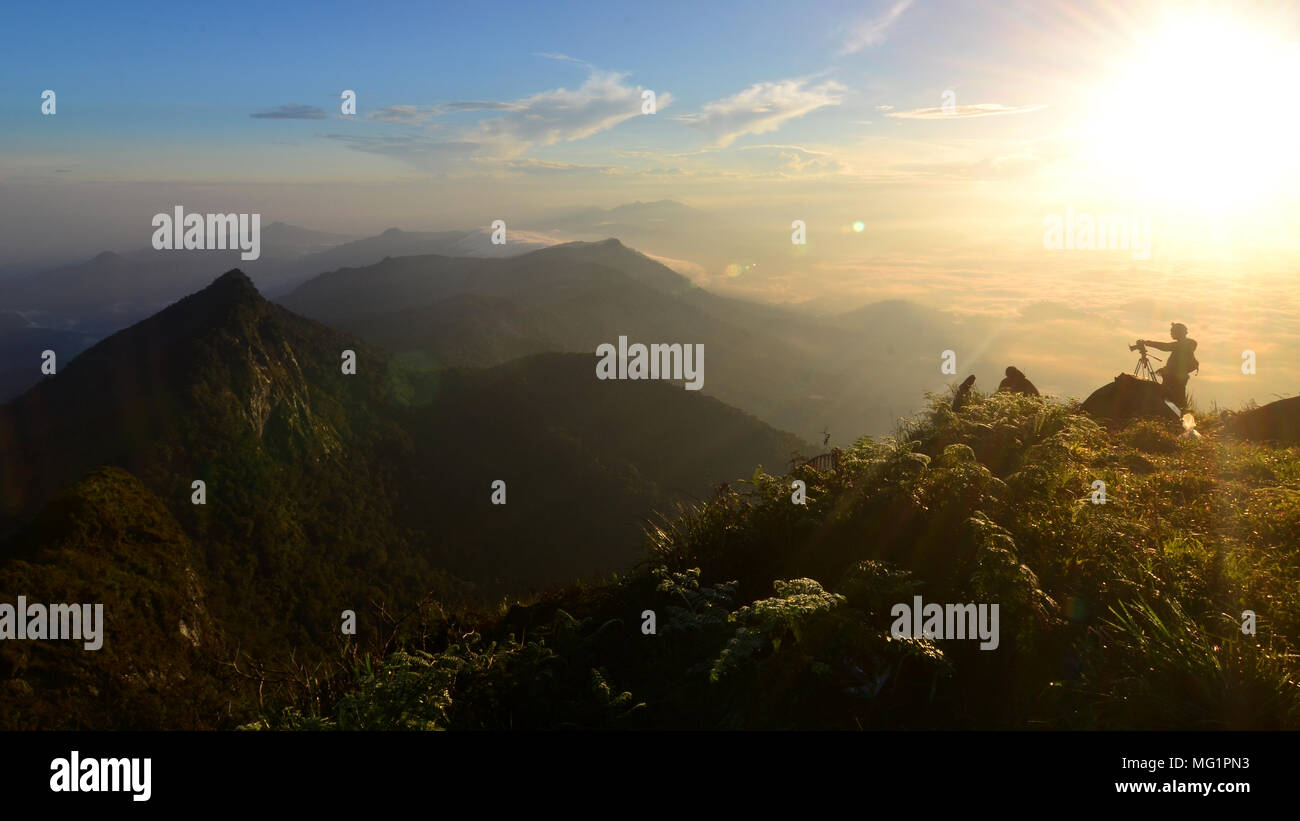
[{"x": 1143, "y": 370}]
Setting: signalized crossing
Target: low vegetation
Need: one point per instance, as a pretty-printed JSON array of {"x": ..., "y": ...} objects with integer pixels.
[{"x": 1126, "y": 614}]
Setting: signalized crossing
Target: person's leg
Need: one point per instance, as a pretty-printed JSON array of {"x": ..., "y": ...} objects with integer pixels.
[{"x": 1176, "y": 389}]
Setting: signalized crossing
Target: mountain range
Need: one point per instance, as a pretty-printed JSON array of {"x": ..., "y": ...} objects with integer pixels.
[
  {"x": 849, "y": 373},
  {"x": 452, "y": 298},
  {"x": 94, "y": 297},
  {"x": 324, "y": 491}
]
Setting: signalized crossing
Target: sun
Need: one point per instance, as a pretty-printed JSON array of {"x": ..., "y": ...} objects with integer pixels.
[{"x": 1202, "y": 116}]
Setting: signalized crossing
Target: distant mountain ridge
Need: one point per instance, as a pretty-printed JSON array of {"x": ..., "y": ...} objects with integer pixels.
[
  {"x": 112, "y": 290},
  {"x": 800, "y": 373},
  {"x": 397, "y": 243}
]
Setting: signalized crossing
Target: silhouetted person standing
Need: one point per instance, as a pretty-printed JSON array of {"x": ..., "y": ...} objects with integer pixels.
[
  {"x": 1017, "y": 382},
  {"x": 1182, "y": 361},
  {"x": 963, "y": 392}
]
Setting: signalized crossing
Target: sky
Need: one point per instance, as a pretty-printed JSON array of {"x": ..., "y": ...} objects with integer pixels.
[
  {"x": 928, "y": 146},
  {"x": 878, "y": 107}
]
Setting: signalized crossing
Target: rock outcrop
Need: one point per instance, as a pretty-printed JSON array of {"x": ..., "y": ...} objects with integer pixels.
[
  {"x": 1277, "y": 421},
  {"x": 1129, "y": 397}
]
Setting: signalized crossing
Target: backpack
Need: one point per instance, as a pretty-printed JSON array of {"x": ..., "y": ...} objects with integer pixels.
[{"x": 1192, "y": 364}]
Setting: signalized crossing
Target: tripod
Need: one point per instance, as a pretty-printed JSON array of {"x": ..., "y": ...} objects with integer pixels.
[{"x": 1143, "y": 369}]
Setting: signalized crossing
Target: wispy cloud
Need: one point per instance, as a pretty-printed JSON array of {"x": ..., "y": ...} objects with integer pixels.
[
  {"x": 785, "y": 161},
  {"x": 761, "y": 108},
  {"x": 477, "y": 105},
  {"x": 603, "y": 101},
  {"x": 531, "y": 166},
  {"x": 290, "y": 111},
  {"x": 872, "y": 31},
  {"x": 560, "y": 115},
  {"x": 551, "y": 55},
  {"x": 964, "y": 111},
  {"x": 403, "y": 114},
  {"x": 563, "y": 115},
  {"x": 418, "y": 150}
]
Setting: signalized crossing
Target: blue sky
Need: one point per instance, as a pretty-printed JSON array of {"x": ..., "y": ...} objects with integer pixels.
[
  {"x": 171, "y": 54},
  {"x": 166, "y": 72}
]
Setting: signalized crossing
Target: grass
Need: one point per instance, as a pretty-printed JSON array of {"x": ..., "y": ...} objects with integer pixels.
[{"x": 1122, "y": 615}]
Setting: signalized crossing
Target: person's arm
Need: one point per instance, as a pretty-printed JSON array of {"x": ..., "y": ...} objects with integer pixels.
[{"x": 1159, "y": 346}]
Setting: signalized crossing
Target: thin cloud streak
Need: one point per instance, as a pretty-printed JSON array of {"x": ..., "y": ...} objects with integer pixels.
[
  {"x": 290, "y": 111},
  {"x": 963, "y": 111},
  {"x": 872, "y": 32},
  {"x": 762, "y": 108}
]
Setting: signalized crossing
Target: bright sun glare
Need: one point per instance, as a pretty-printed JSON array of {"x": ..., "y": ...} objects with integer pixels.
[{"x": 1203, "y": 116}]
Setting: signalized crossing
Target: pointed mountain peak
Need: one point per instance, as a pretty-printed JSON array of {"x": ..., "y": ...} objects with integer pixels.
[
  {"x": 234, "y": 285},
  {"x": 230, "y": 295},
  {"x": 610, "y": 244}
]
